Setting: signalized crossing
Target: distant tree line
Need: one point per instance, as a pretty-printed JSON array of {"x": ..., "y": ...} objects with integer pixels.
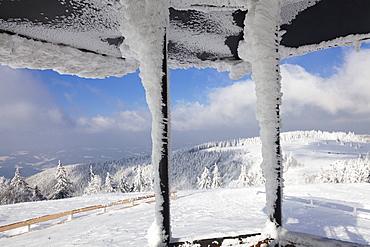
[
  {"x": 204, "y": 175},
  {"x": 18, "y": 190},
  {"x": 346, "y": 171}
]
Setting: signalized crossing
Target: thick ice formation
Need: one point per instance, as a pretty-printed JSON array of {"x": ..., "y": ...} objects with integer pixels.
[
  {"x": 146, "y": 39},
  {"x": 260, "y": 47}
]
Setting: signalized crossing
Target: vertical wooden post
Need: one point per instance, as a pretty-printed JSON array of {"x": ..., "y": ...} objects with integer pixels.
[
  {"x": 164, "y": 162},
  {"x": 277, "y": 215}
]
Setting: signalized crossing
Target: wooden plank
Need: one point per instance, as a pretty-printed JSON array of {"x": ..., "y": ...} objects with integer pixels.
[
  {"x": 118, "y": 202},
  {"x": 216, "y": 242},
  {"x": 71, "y": 212}
]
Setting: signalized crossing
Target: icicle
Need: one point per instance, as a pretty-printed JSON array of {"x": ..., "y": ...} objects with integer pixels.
[{"x": 358, "y": 46}]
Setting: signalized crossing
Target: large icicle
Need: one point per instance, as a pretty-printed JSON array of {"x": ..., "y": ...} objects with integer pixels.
[
  {"x": 261, "y": 48},
  {"x": 144, "y": 29}
]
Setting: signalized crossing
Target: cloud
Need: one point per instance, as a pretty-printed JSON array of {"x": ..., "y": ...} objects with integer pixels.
[
  {"x": 26, "y": 103},
  {"x": 346, "y": 91},
  {"x": 230, "y": 106},
  {"x": 346, "y": 94},
  {"x": 121, "y": 121},
  {"x": 31, "y": 116}
]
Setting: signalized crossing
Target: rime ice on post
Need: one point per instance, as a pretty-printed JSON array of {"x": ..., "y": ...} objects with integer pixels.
[
  {"x": 147, "y": 40},
  {"x": 261, "y": 48}
]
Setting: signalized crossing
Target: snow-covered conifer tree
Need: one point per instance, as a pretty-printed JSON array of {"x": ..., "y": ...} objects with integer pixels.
[
  {"x": 109, "y": 185},
  {"x": 368, "y": 156},
  {"x": 94, "y": 186},
  {"x": 216, "y": 179},
  {"x": 204, "y": 182},
  {"x": 123, "y": 185},
  {"x": 290, "y": 162},
  {"x": 63, "y": 187},
  {"x": 334, "y": 175},
  {"x": 322, "y": 176},
  {"x": 37, "y": 195},
  {"x": 244, "y": 178},
  {"x": 18, "y": 180},
  {"x": 139, "y": 183},
  {"x": 19, "y": 190}
]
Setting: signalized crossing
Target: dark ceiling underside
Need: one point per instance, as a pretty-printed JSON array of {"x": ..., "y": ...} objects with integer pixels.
[{"x": 325, "y": 21}]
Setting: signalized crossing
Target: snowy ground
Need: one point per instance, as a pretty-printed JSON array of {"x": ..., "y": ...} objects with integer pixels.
[{"x": 200, "y": 213}]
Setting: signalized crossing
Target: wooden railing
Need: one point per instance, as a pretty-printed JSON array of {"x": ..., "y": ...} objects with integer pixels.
[{"x": 71, "y": 213}]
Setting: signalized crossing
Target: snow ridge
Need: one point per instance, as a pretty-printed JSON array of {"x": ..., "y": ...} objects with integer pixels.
[{"x": 304, "y": 153}]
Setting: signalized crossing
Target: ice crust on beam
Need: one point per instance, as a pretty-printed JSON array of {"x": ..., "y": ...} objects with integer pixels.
[
  {"x": 95, "y": 26},
  {"x": 80, "y": 24},
  {"x": 292, "y": 8},
  {"x": 350, "y": 40},
  {"x": 19, "y": 52},
  {"x": 260, "y": 46},
  {"x": 146, "y": 39}
]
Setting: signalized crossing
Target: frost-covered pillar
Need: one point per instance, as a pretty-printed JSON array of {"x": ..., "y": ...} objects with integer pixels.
[
  {"x": 261, "y": 48},
  {"x": 144, "y": 28},
  {"x": 162, "y": 184}
]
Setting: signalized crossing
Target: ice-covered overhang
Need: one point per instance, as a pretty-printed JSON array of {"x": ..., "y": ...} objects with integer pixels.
[{"x": 83, "y": 36}]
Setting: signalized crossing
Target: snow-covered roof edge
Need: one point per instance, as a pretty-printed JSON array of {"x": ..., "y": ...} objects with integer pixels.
[
  {"x": 350, "y": 40},
  {"x": 19, "y": 52}
]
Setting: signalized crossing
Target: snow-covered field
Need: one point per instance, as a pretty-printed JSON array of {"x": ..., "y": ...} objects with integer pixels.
[{"x": 321, "y": 209}]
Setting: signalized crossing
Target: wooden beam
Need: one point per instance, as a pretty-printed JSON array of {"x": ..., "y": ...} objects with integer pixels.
[{"x": 164, "y": 162}]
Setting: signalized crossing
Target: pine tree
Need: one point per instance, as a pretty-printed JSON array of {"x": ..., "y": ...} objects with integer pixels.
[
  {"x": 204, "y": 182},
  {"x": 123, "y": 185},
  {"x": 37, "y": 196},
  {"x": 216, "y": 180},
  {"x": 94, "y": 186},
  {"x": 109, "y": 186},
  {"x": 63, "y": 187},
  {"x": 244, "y": 178},
  {"x": 140, "y": 184},
  {"x": 18, "y": 180},
  {"x": 18, "y": 190},
  {"x": 334, "y": 176}
]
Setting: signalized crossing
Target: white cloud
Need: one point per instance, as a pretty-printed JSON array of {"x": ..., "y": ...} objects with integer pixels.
[
  {"x": 121, "y": 121},
  {"x": 31, "y": 117},
  {"x": 27, "y": 106},
  {"x": 25, "y": 102},
  {"x": 345, "y": 93},
  {"x": 230, "y": 106}
]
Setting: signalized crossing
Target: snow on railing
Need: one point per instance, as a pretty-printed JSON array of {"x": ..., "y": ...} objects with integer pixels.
[
  {"x": 72, "y": 213},
  {"x": 351, "y": 208}
]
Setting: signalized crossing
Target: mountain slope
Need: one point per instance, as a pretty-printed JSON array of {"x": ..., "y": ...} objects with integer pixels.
[{"x": 306, "y": 154}]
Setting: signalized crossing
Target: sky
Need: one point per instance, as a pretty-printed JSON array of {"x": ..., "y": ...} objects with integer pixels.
[{"x": 42, "y": 110}]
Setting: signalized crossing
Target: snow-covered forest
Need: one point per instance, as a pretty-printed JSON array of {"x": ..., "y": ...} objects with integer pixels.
[{"x": 308, "y": 157}]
